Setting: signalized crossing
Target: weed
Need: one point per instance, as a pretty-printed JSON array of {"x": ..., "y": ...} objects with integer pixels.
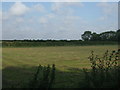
[
  {"x": 105, "y": 70},
  {"x": 43, "y": 78}
]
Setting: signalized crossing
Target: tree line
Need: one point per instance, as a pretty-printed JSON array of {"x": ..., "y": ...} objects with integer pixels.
[
  {"x": 88, "y": 38},
  {"x": 104, "y": 36}
]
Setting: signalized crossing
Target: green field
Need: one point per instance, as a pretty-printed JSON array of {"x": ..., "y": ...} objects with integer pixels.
[{"x": 19, "y": 64}]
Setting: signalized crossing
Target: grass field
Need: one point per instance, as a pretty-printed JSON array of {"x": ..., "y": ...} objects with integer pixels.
[{"x": 19, "y": 64}]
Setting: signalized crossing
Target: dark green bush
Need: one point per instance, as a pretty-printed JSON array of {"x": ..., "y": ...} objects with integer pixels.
[
  {"x": 105, "y": 70},
  {"x": 43, "y": 78}
]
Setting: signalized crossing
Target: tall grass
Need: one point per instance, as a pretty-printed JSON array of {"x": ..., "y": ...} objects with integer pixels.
[{"x": 43, "y": 78}]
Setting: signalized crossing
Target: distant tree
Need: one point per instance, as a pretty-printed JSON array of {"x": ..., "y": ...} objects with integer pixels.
[
  {"x": 95, "y": 37},
  {"x": 118, "y": 35},
  {"x": 108, "y": 36},
  {"x": 87, "y": 35}
]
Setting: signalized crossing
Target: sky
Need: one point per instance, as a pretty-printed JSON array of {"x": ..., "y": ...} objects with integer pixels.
[{"x": 56, "y": 20}]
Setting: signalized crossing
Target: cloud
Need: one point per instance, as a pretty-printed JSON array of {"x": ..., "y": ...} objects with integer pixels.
[
  {"x": 5, "y": 15},
  {"x": 18, "y": 9},
  {"x": 75, "y": 4},
  {"x": 104, "y": 0},
  {"x": 0, "y": 15},
  {"x": 108, "y": 8},
  {"x": 69, "y": 20},
  {"x": 57, "y": 6},
  {"x": 19, "y": 19},
  {"x": 43, "y": 20},
  {"x": 15, "y": 12},
  {"x": 50, "y": 15},
  {"x": 39, "y": 7},
  {"x": 102, "y": 18},
  {"x": 62, "y": 22},
  {"x": 0, "y": 25}
]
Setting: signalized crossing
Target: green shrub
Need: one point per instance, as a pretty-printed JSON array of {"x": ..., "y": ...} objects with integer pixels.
[
  {"x": 105, "y": 70},
  {"x": 43, "y": 78}
]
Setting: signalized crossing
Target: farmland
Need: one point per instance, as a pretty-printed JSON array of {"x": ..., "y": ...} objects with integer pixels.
[{"x": 20, "y": 63}]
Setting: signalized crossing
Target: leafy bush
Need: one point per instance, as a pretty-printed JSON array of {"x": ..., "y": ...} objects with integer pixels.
[
  {"x": 105, "y": 70},
  {"x": 43, "y": 78}
]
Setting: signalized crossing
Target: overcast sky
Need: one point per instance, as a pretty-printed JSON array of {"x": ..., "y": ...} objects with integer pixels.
[{"x": 57, "y": 20}]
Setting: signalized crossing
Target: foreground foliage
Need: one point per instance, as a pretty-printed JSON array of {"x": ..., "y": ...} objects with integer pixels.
[
  {"x": 105, "y": 70},
  {"x": 43, "y": 78}
]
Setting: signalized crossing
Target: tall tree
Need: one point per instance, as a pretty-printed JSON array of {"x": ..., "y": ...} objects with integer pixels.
[
  {"x": 87, "y": 35},
  {"x": 95, "y": 37},
  {"x": 108, "y": 36},
  {"x": 118, "y": 35}
]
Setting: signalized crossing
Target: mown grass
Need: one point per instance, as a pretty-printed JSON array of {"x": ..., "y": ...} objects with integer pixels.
[{"x": 19, "y": 64}]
